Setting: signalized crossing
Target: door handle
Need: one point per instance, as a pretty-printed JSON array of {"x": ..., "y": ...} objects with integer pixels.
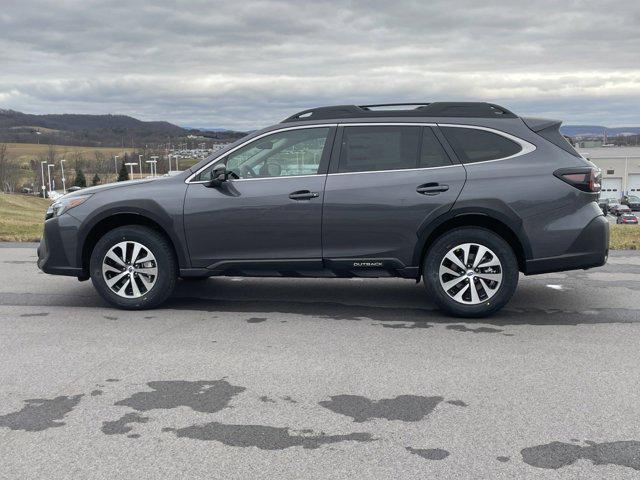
[
  {"x": 303, "y": 195},
  {"x": 432, "y": 188}
]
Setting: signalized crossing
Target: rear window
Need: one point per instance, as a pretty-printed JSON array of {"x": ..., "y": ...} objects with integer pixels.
[{"x": 474, "y": 145}]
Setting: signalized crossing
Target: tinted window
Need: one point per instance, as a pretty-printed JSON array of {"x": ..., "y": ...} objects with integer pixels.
[
  {"x": 292, "y": 152},
  {"x": 379, "y": 148},
  {"x": 473, "y": 145},
  {"x": 431, "y": 153}
]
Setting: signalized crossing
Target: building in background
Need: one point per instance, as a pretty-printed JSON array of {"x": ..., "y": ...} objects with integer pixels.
[{"x": 620, "y": 169}]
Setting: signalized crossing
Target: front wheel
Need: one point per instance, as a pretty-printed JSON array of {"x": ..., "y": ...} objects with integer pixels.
[
  {"x": 133, "y": 268},
  {"x": 470, "y": 272}
]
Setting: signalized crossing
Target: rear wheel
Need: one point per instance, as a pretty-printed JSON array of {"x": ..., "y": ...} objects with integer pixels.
[
  {"x": 133, "y": 267},
  {"x": 470, "y": 272}
]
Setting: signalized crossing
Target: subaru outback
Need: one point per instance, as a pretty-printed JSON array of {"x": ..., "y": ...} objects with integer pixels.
[{"x": 464, "y": 196}]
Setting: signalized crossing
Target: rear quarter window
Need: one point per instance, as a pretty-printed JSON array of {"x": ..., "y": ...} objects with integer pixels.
[{"x": 474, "y": 145}]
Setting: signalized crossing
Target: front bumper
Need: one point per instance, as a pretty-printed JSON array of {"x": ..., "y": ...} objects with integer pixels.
[
  {"x": 590, "y": 249},
  {"x": 57, "y": 249}
]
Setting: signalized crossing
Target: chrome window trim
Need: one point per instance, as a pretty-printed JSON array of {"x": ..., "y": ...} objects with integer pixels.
[
  {"x": 397, "y": 170},
  {"x": 271, "y": 132},
  {"x": 526, "y": 146}
]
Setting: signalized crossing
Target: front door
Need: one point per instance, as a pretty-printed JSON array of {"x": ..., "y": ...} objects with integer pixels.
[
  {"x": 384, "y": 184},
  {"x": 268, "y": 214}
]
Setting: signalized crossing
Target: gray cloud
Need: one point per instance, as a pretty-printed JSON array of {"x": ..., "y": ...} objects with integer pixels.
[{"x": 248, "y": 64}]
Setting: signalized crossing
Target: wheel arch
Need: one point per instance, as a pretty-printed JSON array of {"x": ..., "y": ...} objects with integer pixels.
[
  {"x": 112, "y": 220},
  {"x": 493, "y": 221}
]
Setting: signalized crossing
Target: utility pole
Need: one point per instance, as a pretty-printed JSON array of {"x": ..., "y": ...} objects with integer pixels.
[
  {"x": 64, "y": 181},
  {"x": 42, "y": 171},
  {"x": 140, "y": 164},
  {"x": 115, "y": 163}
]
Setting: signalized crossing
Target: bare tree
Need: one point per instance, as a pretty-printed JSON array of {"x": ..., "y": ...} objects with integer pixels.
[{"x": 4, "y": 158}]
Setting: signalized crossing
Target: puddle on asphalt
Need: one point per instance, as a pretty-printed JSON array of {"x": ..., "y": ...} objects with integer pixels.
[
  {"x": 406, "y": 408},
  {"x": 206, "y": 396},
  {"x": 429, "y": 453},
  {"x": 122, "y": 424},
  {"x": 263, "y": 437},
  {"x": 40, "y": 413},
  {"x": 555, "y": 455}
]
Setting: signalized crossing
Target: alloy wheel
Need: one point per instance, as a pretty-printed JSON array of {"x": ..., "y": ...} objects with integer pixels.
[
  {"x": 130, "y": 269},
  {"x": 470, "y": 273}
]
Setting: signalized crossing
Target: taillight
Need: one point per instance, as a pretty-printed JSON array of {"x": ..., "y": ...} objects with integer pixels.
[{"x": 586, "y": 179}]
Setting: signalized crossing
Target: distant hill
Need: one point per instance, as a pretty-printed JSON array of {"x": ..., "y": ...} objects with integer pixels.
[
  {"x": 597, "y": 130},
  {"x": 96, "y": 130}
]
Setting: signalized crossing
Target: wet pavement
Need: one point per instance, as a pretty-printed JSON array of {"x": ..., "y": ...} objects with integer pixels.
[{"x": 241, "y": 378}]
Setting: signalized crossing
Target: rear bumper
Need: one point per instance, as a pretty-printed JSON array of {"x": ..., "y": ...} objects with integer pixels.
[
  {"x": 57, "y": 246},
  {"x": 590, "y": 249}
]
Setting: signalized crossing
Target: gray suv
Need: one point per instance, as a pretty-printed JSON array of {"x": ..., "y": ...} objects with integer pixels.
[{"x": 462, "y": 195}]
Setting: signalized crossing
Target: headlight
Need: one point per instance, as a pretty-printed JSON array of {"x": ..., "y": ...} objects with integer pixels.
[{"x": 60, "y": 206}]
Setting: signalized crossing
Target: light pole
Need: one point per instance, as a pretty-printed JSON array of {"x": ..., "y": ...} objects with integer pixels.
[
  {"x": 38, "y": 133},
  {"x": 64, "y": 181},
  {"x": 42, "y": 171},
  {"x": 151, "y": 166},
  {"x": 169, "y": 158},
  {"x": 115, "y": 162},
  {"x": 154, "y": 160},
  {"x": 130, "y": 165},
  {"x": 140, "y": 164},
  {"x": 177, "y": 169},
  {"x": 49, "y": 165}
]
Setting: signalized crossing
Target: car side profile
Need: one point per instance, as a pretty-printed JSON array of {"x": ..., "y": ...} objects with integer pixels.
[{"x": 464, "y": 196}]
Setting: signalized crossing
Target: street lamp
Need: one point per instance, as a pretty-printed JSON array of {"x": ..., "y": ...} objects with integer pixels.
[
  {"x": 130, "y": 165},
  {"x": 154, "y": 161},
  {"x": 151, "y": 166},
  {"x": 49, "y": 165},
  {"x": 64, "y": 181},
  {"x": 42, "y": 171}
]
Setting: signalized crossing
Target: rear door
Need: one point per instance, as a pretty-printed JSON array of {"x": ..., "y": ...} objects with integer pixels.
[{"x": 385, "y": 182}]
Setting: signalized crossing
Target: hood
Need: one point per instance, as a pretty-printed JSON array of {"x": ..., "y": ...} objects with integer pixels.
[{"x": 110, "y": 186}]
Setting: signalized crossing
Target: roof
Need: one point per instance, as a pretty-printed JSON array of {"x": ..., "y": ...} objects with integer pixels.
[{"x": 420, "y": 109}]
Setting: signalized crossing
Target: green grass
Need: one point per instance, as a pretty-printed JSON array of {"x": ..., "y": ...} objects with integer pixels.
[{"x": 21, "y": 217}]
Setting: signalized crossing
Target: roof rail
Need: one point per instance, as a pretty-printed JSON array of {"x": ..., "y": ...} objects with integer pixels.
[{"x": 435, "y": 109}]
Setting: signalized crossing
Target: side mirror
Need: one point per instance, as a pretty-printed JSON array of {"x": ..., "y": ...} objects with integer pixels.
[{"x": 218, "y": 177}]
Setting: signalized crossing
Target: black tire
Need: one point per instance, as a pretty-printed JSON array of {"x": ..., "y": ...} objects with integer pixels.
[
  {"x": 158, "y": 245},
  {"x": 480, "y": 236}
]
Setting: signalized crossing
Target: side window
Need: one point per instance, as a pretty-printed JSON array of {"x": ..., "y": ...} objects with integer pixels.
[
  {"x": 473, "y": 145},
  {"x": 431, "y": 153},
  {"x": 292, "y": 152},
  {"x": 379, "y": 148}
]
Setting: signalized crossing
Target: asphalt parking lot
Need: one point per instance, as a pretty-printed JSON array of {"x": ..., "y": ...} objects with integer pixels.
[{"x": 300, "y": 378}]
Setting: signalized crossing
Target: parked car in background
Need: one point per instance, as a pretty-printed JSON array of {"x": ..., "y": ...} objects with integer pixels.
[
  {"x": 605, "y": 204},
  {"x": 460, "y": 195},
  {"x": 53, "y": 195},
  {"x": 632, "y": 202},
  {"x": 627, "y": 218},
  {"x": 619, "y": 209},
  {"x": 612, "y": 205}
]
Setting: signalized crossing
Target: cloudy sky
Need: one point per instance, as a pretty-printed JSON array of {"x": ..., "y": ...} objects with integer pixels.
[{"x": 245, "y": 64}]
